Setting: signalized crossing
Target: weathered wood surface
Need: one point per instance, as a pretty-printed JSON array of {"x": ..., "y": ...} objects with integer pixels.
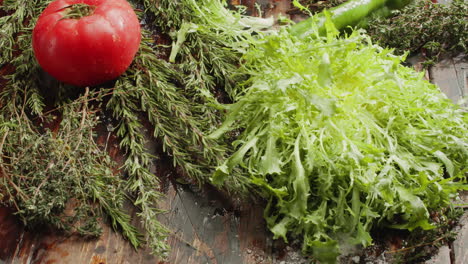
[
  {"x": 451, "y": 75},
  {"x": 204, "y": 229},
  {"x": 202, "y": 233}
]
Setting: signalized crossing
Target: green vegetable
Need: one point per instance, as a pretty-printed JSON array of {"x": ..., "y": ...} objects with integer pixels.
[
  {"x": 347, "y": 14},
  {"x": 338, "y": 137}
]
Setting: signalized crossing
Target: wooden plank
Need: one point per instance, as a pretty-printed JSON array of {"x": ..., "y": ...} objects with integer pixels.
[
  {"x": 460, "y": 244},
  {"x": 451, "y": 75},
  {"x": 22, "y": 246},
  {"x": 203, "y": 232}
]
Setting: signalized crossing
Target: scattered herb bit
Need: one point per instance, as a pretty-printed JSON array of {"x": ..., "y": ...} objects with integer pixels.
[{"x": 420, "y": 245}]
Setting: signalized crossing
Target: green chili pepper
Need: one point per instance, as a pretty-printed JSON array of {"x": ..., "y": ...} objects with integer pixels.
[{"x": 347, "y": 14}]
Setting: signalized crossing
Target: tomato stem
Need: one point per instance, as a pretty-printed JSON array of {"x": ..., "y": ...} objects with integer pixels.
[{"x": 77, "y": 11}]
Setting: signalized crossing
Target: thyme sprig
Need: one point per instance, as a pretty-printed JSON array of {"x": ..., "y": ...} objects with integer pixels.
[
  {"x": 54, "y": 175},
  {"x": 424, "y": 27}
]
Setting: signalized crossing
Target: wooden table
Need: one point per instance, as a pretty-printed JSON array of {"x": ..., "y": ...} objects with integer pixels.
[{"x": 204, "y": 228}]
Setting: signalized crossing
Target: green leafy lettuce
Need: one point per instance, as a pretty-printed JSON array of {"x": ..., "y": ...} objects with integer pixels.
[{"x": 338, "y": 137}]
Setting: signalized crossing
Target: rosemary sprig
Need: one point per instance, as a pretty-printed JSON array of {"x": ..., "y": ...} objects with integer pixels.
[{"x": 181, "y": 97}]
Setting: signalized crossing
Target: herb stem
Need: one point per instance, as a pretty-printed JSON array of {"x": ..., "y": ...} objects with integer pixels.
[{"x": 77, "y": 11}]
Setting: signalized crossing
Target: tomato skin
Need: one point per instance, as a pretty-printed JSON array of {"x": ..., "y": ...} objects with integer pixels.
[{"x": 90, "y": 50}]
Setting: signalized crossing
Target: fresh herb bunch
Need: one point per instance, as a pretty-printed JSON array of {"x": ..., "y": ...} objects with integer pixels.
[
  {"x": 59, "y": 177},
  {"x": 340, "y": 137},
  {"x": 22, "y": 104},
  {"x": 424, "y": 27},
  {"x": 177, "y": 99},
  {"x": 55, "y": 175}
]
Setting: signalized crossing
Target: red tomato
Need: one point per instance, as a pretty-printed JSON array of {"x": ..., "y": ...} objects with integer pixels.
[{"x": 86, "y": 50}]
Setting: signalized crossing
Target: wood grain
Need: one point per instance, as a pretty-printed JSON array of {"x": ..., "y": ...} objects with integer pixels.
[
  {"x": 203, "y": 232},
  {"x": 204, "y": 229}
]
